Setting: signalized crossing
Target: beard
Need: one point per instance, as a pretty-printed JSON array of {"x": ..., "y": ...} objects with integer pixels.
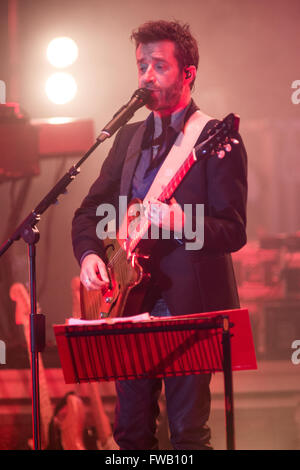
[{"x": 166, "y": 98}]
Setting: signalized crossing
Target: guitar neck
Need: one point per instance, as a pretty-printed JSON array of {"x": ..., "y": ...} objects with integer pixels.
[
  {"x": 165, "y": 195},
  {"x": 171, "y": 187},
  {"x": 218, "y": 136}
]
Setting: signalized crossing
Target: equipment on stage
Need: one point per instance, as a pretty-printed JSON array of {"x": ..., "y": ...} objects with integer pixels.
[
  {"x": 30, "y": 234},
  {"x": 24, "y": 141},
  {"x": 218, "y": 142},
  {"x": 65, "y": 432},
  {"x": 142, "y": 347},
  {"x": 19, "y": 156},
  {"x": 268, "y": 278}
]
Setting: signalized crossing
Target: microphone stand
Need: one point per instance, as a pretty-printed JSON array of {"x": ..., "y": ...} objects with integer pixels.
[{"x": 30, "y": 234}]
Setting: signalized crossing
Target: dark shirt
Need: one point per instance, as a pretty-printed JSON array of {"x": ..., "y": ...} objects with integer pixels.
[{"x": 155, "y": 150}]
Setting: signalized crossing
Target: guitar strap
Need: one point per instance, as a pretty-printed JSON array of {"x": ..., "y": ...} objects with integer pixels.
[
  {"x": 181, "y": 149},
  {"x": 179, "y": 152}
]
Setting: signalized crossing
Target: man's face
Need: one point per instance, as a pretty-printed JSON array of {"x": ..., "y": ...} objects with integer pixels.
[{"x": 158, "y": 71}]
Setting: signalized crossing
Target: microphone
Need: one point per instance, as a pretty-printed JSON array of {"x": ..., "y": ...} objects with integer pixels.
[{"x": 138, "y": 99}]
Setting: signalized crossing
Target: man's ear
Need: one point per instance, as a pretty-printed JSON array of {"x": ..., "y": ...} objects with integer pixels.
[{"x": 190, "y": 72}]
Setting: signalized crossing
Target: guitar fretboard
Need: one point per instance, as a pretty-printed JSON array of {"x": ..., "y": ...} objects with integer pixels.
[{"x": 165, "y": 195}]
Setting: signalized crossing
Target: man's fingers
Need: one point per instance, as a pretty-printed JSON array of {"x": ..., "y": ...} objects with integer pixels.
[
  {"x": 103, "y": 272},
  {"x": 93, "y": 273},
  {"x": 91, "y": 281}
]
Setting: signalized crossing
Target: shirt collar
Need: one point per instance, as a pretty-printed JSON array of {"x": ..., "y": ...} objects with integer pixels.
[{"x": 178, "y": 119}]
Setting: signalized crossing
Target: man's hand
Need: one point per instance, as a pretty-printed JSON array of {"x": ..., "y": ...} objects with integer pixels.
[
  {"x": 93, "y": 274},
  {"x": 167, "y": 216}
]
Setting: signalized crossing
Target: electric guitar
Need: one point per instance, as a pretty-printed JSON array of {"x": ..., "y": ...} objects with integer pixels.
[{"x": 126, "y": 262}]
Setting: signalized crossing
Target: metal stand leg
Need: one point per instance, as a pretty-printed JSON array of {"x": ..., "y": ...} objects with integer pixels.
[
  {"x": 228, "y": 386},
  {"x": 37, "y": 344}
]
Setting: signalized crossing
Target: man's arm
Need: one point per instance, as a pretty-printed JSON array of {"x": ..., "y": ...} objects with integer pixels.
[
  {"x": 225, "y": 216},
  {"x": 104, "y": 190},
  {"x": 225, "y": 207},
  {"x": 88, "y": 248}
]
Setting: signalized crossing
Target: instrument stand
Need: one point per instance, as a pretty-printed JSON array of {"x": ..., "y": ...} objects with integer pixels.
[
  {"x": 228, "y": 384},
  {"x": 28, "y": 231},
  {"x": 160, "y": 347}
]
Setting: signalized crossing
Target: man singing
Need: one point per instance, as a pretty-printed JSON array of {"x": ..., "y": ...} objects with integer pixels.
[{"x": 182, "y": 281}]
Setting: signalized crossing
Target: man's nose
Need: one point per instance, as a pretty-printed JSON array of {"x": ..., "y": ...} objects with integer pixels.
[{"x": 149, "y": 76}]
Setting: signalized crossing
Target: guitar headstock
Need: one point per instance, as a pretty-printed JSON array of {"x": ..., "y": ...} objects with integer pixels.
[{"x": 220, "y": 138}]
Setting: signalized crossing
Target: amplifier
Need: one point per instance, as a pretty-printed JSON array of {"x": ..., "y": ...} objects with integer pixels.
[
  {"x": 64, "y": 137},
  {"x": 19, "y": 150},
  {"x": 282, "y": 327}
]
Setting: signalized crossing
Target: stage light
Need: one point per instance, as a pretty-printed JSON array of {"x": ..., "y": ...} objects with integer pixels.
[
  {"x": 62, "y": 52},
  {"x": 61, "y": 87},
  {"x": 2, "y": 92}
]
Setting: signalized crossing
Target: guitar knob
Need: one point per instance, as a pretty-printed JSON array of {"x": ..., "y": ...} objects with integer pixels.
[
  {"x": 103, "y": 314},
  {"x": 221, "y": 154},
  {"x": 234, "y": 141},
  {"x": 227, "y": 148}
]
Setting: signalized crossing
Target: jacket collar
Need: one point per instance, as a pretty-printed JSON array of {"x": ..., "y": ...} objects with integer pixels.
[{"x": 141, "y": 140}]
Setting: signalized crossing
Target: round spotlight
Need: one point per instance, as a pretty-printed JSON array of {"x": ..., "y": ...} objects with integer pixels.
[
  {"x": 61, "y": 88},
  {"x": 62, "y": 52}
]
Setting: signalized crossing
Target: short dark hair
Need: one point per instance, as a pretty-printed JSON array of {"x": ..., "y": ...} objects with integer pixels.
[{"x": 186, "y": 47}]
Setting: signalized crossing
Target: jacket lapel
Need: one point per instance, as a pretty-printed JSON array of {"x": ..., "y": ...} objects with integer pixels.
[
  {"x": 131, "y": 159},
  {"x": 134, "y": 151}
]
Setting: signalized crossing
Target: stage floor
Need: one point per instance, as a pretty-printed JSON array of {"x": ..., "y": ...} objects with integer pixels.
[{"x": 266, "y": 406}]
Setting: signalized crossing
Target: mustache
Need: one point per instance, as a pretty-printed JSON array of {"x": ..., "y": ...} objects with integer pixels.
[{"x": 151, "y": 89}]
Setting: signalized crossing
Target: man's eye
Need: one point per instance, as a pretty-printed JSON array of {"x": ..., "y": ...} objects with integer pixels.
[
  {"x": 142, "y": 68},
  {"x": 161, "y": 67}
]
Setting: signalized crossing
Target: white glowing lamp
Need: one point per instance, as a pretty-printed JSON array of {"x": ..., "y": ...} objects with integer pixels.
[
  {"x": 62, "y": 52},
  {"x": 61, "y": 87}
]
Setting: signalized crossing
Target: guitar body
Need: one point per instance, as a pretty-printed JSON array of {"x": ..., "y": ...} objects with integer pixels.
[{"x": 128, "y": 283}]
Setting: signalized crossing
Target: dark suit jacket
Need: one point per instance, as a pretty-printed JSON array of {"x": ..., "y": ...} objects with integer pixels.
[{"x": 189, "y": 281}]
